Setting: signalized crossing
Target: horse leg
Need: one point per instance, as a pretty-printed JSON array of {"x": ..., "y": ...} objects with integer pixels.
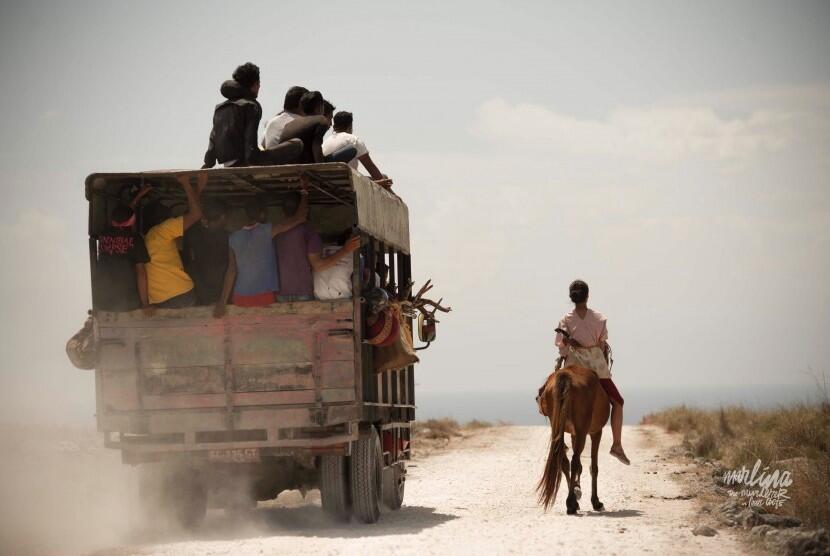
[
  {"x": 595, "y": 438},
  {"x": 575, "y": 492}
]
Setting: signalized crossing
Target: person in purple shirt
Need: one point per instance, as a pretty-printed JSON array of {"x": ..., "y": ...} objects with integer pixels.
[
  {"x": 252, "y": 274},
  {"x": 300, "y": 252}
]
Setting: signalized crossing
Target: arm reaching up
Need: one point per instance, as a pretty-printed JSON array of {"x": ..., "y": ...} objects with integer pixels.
[
  {"x": 294, "y": 221},
  {"x": 194, "y": 209}
]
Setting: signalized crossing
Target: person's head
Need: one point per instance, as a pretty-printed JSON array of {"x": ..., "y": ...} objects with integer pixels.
[
  {"x": 255, "y": 210},
  {"x": 215, "y": 214},
  {"x": 578, "y": 291},
  {"x": 343, "y": 121},
  {"x": 311, "y": 103},
  {"x": 291, "y": 203},
  {"x": 328, "y": 110},
  {"x": 122, "y": 216},
  {"x": 292, "y": 98},
  {"x": 247, "y": 75},
  {"x": 155, "y": 213}
]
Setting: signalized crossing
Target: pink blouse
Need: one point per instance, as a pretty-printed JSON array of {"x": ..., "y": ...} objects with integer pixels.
[{"x": 590, "y": 331}]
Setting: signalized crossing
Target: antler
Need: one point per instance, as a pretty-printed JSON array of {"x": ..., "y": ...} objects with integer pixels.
[
  {"x": 411, "y": 305},
  {"x": 423, "y": 303}
]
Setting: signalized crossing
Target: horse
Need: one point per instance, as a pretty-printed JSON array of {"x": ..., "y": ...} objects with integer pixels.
[{"x": 574, "y": 402}]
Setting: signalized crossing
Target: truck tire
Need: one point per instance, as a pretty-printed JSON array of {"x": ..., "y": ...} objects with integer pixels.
[
  {"x": 394, "y": 481},
  {"x": 367, "y": 467},
  {"x": 187, "y": 497},
  {"x": 334, "y": 487}
]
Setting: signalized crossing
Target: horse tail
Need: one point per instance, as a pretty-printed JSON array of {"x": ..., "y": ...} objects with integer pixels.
[{"x": 560, "y": 409}]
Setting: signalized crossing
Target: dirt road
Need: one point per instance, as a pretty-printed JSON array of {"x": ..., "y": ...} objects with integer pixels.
[{"x": 479, "y": 499}]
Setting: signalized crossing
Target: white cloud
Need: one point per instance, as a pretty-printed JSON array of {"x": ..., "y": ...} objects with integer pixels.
[{"x": 658, "y": 133}]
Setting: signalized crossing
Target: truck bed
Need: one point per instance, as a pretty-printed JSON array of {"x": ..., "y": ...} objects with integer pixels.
[{"x": 276, "y": 377}]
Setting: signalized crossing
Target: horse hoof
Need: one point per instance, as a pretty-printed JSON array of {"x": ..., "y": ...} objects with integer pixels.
[
  {"x": 572, "y": 511},
  {"x": 599, "y": 507},
  {"x": 578, "y": 493}
]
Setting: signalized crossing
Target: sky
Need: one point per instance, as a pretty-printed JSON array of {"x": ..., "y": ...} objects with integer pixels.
[{"x": 673, "y": 155}]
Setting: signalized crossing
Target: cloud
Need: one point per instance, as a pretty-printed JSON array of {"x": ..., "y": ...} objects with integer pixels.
[{"x": 658, "y": 133}]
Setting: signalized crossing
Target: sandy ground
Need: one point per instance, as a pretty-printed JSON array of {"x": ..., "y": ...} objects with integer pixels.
[{"x": 477, "y": 498}]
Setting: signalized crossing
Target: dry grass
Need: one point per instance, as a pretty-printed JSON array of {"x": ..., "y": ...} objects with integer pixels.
[
  {"x": 796, "y": 438},
  {"x": 437, "y": 434}
]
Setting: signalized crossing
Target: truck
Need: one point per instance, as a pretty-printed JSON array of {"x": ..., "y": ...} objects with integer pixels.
[{"x": 225, "y": 412}]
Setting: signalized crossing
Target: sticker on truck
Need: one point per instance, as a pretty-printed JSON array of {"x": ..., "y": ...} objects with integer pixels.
[{"x": 235, "y": 455}]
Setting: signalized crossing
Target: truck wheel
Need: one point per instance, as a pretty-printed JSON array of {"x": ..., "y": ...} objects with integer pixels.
[
  {"x": 394, "y": 481},
  {"x": 188, "y": 497},
  {"x": 366, "y": 476},
  {"x": 334, "y": 487},
  {"x": 150, "y": 495}
]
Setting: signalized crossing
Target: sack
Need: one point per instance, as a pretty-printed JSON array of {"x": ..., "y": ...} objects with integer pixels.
[
  {"x": 81, "y": 347},
  {"x": 400, "y": 353}
]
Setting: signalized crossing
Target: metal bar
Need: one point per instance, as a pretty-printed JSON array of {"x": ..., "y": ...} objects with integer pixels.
[
  {"x": 383, "y": 266},
  {"x": 316, "y": 177},
  {"x": 358, "y": 318},
  {"x": 229, "y": 376},
  {"x": 245, "y": 184},
  {"x": 392, "y": 271},
  {"x": 93, "y": 265}
]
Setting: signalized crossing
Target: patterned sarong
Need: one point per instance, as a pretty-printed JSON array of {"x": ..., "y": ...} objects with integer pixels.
[{"x": 591, "y": 357}]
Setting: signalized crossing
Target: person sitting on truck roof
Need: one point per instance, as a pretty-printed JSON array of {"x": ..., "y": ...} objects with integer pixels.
[
  {"x": 169, "y": 285},
  {"x": 300, "y": 251},
  {"x": 343, "y": 137},
  {"x": 290, "y": 110},
  {"x": 233, "y": 139},
  {"x": 311, "y": 127},
  {"x": 206, "y": 252},
  {"x": 120, "y": 271},
  {"x": 252, "y": 273}
]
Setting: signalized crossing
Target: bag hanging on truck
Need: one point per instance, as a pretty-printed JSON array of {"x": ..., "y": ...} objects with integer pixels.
[
  {"x": 401, "y": 352},
  {"x": 81, "y": 347}
]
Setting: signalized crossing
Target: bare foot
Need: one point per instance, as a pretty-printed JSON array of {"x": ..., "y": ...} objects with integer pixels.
[{"x": 617, "y": 452}]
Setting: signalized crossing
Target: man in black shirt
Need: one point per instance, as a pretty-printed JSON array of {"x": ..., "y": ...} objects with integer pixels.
[
  {"x": 233, "y": 139},
  {"x": 206, "y": 252},
  {"x": 120, "y": 276}
]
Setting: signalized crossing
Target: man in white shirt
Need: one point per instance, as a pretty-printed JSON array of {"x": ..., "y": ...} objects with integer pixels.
[
  {"x": 342, "y": 137},
  {"x": 291, "y": 110}
]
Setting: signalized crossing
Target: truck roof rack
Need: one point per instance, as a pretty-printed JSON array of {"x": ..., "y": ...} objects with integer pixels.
[{"x": 379, "y": 212}]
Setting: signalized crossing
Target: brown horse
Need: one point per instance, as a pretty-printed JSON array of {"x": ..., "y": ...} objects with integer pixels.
[{"x": 574, "y": 401}]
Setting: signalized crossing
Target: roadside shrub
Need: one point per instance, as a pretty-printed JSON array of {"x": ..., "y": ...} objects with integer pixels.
[{"x": 795, "y": 438}]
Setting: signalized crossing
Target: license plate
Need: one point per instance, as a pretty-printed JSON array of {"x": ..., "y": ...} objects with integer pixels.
[{"x": 235, "y": 455}]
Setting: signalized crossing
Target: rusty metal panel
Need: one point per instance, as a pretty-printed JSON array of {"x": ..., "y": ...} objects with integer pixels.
[
  {"x": 381, "y": 213},
  {"x": 335, "y": 395},
  {"x": 285, "y": 344},
  {"x": 183, "y": 401},
  {"x": 118, "y": 391},
  {"x": 267, "y": 378},
  {"x": 337, "y": 374},
  {"x": 338, "y": 348},
  {"x": 180, "y": 380},
  {"x": 185, "y": 346},
  {"x": 290, "y": 397}
]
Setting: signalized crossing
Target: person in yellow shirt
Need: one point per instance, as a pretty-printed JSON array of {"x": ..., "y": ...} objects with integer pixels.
[{"x": 168, "y": 285}]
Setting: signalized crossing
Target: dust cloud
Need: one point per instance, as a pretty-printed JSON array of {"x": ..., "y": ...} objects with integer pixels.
[{"x": 62, "y": 492}]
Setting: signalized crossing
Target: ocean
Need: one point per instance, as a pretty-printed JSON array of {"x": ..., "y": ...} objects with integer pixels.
[{"x": 519, "y": 408}]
